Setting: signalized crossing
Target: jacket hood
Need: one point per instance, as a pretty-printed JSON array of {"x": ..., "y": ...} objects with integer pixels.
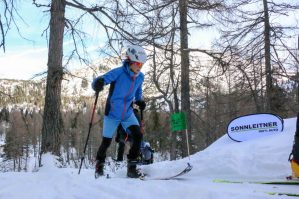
[{"x": 128, "y": 70}]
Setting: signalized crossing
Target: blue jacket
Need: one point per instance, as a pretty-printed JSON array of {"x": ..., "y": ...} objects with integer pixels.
[{"x": 125, "y": 87}]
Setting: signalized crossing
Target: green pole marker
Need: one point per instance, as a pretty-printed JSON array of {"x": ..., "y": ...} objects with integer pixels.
[{"x": 178, "y": 122}]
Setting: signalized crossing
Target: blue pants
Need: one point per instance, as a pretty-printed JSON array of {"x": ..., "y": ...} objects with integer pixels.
[{"x": 110, "y": 125}]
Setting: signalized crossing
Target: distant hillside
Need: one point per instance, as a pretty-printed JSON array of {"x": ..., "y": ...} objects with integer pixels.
[
  {"x": 76, "y": 88},
  {"x": 30, "y": 93}
]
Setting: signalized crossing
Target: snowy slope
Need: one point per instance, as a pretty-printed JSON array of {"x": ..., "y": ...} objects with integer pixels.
[{"x": 259, "y": 159}]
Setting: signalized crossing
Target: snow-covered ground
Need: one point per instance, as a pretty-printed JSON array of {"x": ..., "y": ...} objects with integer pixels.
[{"x": 260, "y": 159}]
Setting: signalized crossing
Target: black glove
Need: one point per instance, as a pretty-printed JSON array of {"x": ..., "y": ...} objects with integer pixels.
[
  {"x": 98, "y": 84},
  {"x": 141, "y": 104}
]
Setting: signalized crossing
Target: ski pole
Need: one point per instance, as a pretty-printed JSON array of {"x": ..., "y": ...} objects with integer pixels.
[
  {"x": 90, "y": 125},
  {"x": 142, "y": 122},
  {"x": 141, "y": 115}
]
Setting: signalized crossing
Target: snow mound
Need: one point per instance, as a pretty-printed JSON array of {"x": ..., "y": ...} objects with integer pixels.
[{"x": 259, "y": 159}]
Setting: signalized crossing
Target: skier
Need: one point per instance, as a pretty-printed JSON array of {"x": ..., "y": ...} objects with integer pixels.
[
  {"x": 125, "y": 87},
  {"x": 146, "y": 152},
  {"x": 122, "y": 136},
  {"x": 294, "y": 156}
]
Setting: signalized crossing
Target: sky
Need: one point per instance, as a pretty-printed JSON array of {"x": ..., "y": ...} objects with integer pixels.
[
  {"x": 260, "y": 159},
  {"x": 26, "y": 52}
]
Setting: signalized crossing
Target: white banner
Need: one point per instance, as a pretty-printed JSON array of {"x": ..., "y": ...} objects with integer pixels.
[{"x": 253, "y": 126}]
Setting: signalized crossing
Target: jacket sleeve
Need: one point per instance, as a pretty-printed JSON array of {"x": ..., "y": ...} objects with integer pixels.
[{"x": 112, "y": 75}]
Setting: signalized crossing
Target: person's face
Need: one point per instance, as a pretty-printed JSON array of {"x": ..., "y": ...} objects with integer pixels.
[{"x": 136, "y": 66}]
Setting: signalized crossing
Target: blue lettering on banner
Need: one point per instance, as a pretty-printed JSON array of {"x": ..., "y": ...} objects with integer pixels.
[{"x": 253, "y": 126}]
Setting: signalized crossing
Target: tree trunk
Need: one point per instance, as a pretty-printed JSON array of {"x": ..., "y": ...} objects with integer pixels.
[
  {"x": 269, "y": 89},
  {"x": 297, "y": 77},
  {"x": 52, "y": 120},
  {"x": 185, "y": 88}
]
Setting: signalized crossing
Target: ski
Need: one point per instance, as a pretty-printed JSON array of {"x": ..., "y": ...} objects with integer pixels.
[
  {"x": 186, "y": 170},
  {"x": 145, "y": 176},
  {"x": 283, "y": 182},
  {"x": 282, "y": 194}
]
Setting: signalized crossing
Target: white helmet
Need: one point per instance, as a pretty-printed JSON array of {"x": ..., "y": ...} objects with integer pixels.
[{"x": 135, "y": 53}]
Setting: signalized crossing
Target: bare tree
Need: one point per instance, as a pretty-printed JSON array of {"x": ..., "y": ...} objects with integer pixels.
[
  {"x": 172, "y": 19},
  {"x": 52, "y": 120},
  {"x": 114, "y": 24},
  {"x": 185, "y": 72},
  {"x": 8, "y": 16},
  {"x": 260, "y": 40}
]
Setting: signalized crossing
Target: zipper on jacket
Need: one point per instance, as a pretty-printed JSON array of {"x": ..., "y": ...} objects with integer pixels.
[{"x": 125, "y": 99}]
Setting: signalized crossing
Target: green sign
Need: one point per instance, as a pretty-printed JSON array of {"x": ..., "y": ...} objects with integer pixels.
[{"x": 178, "y": 121}]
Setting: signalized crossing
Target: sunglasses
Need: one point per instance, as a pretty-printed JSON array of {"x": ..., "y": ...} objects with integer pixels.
[{"x": 138, "y": 64}]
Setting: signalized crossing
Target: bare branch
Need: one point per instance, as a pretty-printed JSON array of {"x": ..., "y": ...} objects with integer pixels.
[
  {"x": 2, "y": 43},
  {"x": 41, "y": 5}
]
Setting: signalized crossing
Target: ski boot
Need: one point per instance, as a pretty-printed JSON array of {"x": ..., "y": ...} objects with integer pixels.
[
  {"x": 295, "y": 169},
  {"x": 99, "y": 169},
  {"x": 132, "y": 171},
  {"x": 294, "y": 160}
]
